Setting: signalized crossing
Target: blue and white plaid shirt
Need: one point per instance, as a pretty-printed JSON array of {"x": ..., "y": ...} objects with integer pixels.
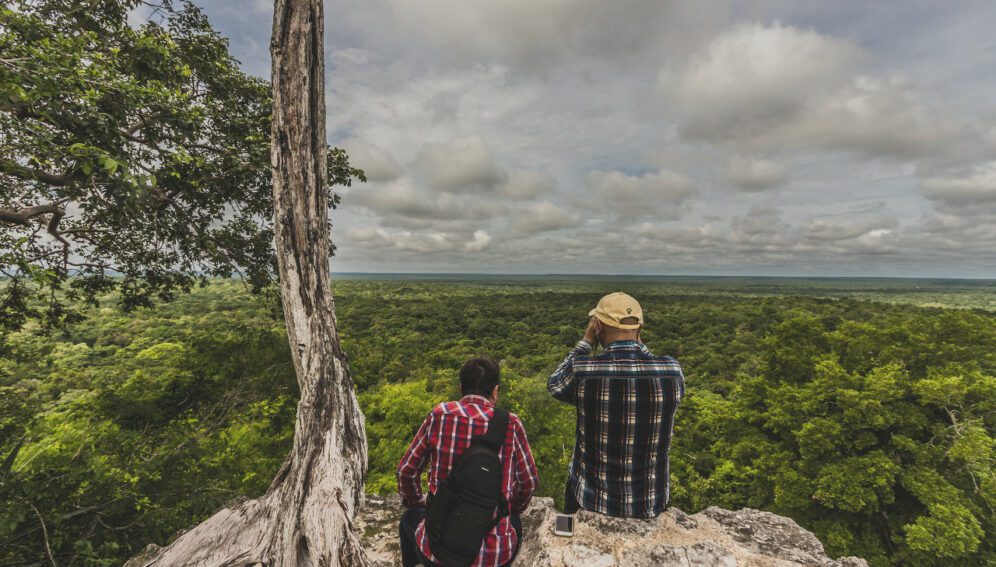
[{"x": 626, "y": 399}]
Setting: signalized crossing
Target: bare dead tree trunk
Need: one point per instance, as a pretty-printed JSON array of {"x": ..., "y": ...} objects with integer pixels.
[{"x": 305, "y": 517}]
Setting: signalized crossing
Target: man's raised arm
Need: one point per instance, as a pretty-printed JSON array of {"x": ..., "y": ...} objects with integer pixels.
[{"x": 561, "y": 383}]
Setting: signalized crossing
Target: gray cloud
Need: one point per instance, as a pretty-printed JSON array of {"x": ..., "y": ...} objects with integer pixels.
[
  {"x": 754, "y": 76},
  {"x": 540, "y": 35},
  {"x": 687, "y": 237},
  {"x": 777, "y": 86},
  {"x": 401, "y": 198},
  {"x": 377, "y": 163},
  {"x": 659, "y": 194},
  {"x": 965, "y": 193},
  {"x": 873, "y": 227},
  {"x": 526, "y": 184},
  {"x": 422, "y": 242},
  {"x": 759, "y": 224},
  {"x": 427, "y": 242},
  {"x": 544, "y": 217},
  {"x": 756, "y": 174},
  {"x": 463, "y": 165},
  {"x": 762, "y": 233}
]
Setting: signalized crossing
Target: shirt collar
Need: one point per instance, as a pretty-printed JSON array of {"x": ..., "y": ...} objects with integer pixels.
[
  {"x": 626, "y": 344},
  {"x": 476, "y": 399}
]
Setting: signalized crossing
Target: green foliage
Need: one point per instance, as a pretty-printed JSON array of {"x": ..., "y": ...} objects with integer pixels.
[
  {"x": 140, "y": 152},
  {"x": 131, "y": 427},
  {"x": 871, "y": 424},
  {"x": 949, "y": 529},
  {"x": 394, "y": 413}
]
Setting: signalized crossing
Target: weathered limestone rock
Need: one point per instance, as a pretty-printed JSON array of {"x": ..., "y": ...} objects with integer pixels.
[
  {"x": 711, "y": 538},
  {"x": 378, "y": 524}
]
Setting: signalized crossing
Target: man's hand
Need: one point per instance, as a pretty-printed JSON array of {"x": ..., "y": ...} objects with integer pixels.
[{"x": 591, "y": 331}]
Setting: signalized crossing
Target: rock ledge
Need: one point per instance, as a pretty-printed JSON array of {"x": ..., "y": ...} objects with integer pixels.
[{"x": 712, "y": 538}]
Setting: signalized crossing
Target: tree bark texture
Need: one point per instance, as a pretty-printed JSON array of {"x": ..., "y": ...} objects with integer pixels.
[{"x": 305, "y": 517}]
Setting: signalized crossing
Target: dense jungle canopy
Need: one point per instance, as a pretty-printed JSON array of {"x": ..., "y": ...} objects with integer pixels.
[{"x": 869, "y": 423}]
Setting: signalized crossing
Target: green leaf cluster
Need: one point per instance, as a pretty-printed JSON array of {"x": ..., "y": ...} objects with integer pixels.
[{"x": 136, "y": 156}]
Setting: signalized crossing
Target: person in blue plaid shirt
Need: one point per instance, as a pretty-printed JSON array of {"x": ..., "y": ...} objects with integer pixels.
[{"x": 626, "y": 399}]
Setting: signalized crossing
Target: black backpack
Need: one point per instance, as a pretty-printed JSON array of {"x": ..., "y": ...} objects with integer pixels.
[{"x": 460, "y": 513}]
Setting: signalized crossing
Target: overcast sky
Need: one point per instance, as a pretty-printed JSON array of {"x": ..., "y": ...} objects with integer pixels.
[{"x": 760, "y": 137}]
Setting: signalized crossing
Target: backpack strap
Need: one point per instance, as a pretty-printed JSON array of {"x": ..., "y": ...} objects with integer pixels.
[
  {"x": 495, "y": 438},
  {"x": 503, "y": 512},
  {"x": 497, "y": 429}
]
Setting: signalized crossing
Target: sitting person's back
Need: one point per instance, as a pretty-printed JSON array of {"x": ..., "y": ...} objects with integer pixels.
[
  {"x": 446, "y": 434},
  {"x": 626, "y": 399}
]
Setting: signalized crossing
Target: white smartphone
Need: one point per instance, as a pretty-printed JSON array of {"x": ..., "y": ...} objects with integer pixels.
[{"x": 564, "y": 525}]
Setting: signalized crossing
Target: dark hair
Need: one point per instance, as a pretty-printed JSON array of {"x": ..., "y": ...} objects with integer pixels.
[{"x": 479, "y": 376}]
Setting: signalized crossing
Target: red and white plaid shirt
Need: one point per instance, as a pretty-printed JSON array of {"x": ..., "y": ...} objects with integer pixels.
[{"x": 444, "y": 435}]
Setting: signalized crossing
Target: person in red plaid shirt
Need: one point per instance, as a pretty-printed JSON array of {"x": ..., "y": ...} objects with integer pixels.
[{"x": 443, "y": 436}]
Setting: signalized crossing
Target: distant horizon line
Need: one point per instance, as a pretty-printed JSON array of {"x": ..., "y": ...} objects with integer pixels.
[
  {"x": 561, "y": 275},
  {"x": 605, "y": 275}
]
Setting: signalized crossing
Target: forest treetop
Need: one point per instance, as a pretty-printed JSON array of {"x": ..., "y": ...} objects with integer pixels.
[
  {"x": 133, "y": 158},
  {"x": 870, "y": 424}
]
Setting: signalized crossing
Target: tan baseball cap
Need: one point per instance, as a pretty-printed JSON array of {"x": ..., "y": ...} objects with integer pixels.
[{"x": 615, "y": 307}]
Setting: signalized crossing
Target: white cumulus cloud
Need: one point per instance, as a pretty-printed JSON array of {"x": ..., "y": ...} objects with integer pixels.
[{"x": 480, "y": 241}]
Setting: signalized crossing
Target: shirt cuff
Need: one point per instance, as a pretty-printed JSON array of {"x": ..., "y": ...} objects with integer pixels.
[
  {"x": 584, "y": 346},
  {"x": 411, "y": 502}
]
